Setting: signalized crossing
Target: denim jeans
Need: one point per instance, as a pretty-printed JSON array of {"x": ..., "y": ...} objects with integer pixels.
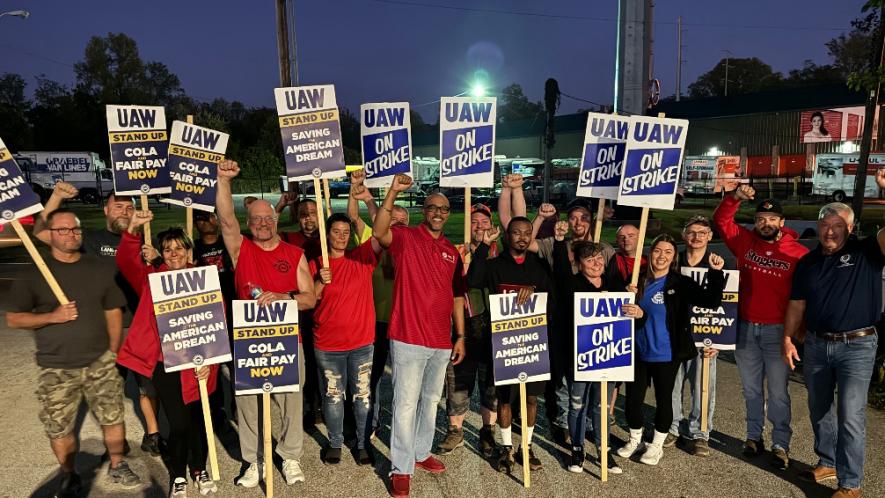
[
  {"x": 758, "y": 355},
  {"x": 692, "y": 371},
  {"x": 418, "y": 376},
  {"x": 583, "y": 404},
  {"x": 340, "y": 371},
  {"x": 839, "y": 423}
]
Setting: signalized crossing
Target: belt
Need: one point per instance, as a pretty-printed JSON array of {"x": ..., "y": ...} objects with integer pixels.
[{"x": 845, "y": 336}]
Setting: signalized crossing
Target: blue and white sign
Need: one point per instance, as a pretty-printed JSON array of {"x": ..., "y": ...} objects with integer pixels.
[
  {"x": 603, "y": 337},
  {"x": 17, "y": 199},
  {"x": 311, "y": 132},
  {"x": 652, "y": 162},
  {"x": 139, "y": 149},
  {"x": 602, "y": 162},
  {"x": 194, "y": 154},
  {"x": 386, "y": 138},
  {"x": 715, "y": 328},
  {"x": 519, "y": 338},
  {"x": 265, "y": 347},
  {"x": 467, "y": 142}
]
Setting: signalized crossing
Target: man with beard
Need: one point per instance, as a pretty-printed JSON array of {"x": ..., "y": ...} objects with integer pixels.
[
  {"x": 766, "y": 258},
  {"x": 103, "y": 243},
  {"x": 266, "y": 270},
  {"x": 522, "y": 273}
]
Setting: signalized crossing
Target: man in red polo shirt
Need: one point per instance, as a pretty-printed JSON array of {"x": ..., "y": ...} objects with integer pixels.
[{"x": 428, "y": 295}]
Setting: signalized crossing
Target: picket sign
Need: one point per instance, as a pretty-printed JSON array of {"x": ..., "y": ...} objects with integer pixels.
[{"x": 38, "y": 260}]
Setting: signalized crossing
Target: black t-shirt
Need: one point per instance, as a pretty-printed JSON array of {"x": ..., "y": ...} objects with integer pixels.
[
  {"x": 703, "y": 263},
  {"x": 103, "y": 244},
  {"x": 75, "y": 344},
  {"x": 216, "y": 254},
  {"x": 842, "y": 291}
]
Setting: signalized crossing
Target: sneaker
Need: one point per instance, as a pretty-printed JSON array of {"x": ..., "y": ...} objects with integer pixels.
[
  {"x": 179, "y": 488},
  {"x": 534, "y": 462},
  {"x": 123, "y": 475},
  {"x": 780, "y": 459},
  {"x": 205, "y": 483},
  {"x": 454, "y": 439},
  {"x": 431, "y": 465},
  {"x": 576, "y": 463},
  {"x": 332, "y": 456},
  {"x": 613, "y": 467},
  {"x": 487, "y": 442},
  {"x": 561, "y": 436},
  {"x": 150, "y": 444},
  {"x": 364, "y": 457},
  {"x": 652, "y": 455},
  {"x": 399, "y": 485},
  {"x": 753, "y": 448},
  {"x": 700, "y": 448},
  {"x": 70, "y": 485},
  {"x": 820, "y": 473},
  {"x": 633, "y": 446},
  {"x": 251, "y": 476},
  {"x": 505, "y": 461},
  {"x": 671, "y": 440},
  {"x": 292, "y": 471}
]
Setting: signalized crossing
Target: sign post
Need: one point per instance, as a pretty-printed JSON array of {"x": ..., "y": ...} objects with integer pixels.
[{"x": 189, "y": 211}]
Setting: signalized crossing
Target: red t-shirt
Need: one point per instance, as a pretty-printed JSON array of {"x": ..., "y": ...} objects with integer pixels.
[
  {"x": 310, "y": 245},
  {"x": 428, "y": 276},
  {"x": 344, "y": 319}
]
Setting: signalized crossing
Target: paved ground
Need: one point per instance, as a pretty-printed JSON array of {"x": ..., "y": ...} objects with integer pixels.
[{"x": 28, "y": 467}]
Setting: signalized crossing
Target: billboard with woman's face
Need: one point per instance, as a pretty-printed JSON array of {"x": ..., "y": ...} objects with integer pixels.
[{"x": 820, "y": 126}]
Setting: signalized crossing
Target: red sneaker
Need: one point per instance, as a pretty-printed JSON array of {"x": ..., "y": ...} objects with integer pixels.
[
  {"x": 432, "y": 465},
  {"x": 399, "y": 485}
]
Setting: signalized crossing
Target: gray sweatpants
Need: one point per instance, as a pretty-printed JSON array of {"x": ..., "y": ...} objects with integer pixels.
[{"x": 291, "y": 437}]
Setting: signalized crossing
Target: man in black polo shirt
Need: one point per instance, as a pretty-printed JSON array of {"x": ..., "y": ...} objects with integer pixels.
[{"x": 837, "y": 289}]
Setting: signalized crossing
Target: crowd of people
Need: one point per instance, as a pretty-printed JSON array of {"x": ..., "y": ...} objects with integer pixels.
[{"x": 404, "y": 294}]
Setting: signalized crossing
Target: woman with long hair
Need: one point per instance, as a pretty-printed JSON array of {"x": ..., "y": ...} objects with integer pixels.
[
  {"x": 818, "y": 132},
  {"x": 663, "y": 339},
  {"x": 178, "y": 392}
]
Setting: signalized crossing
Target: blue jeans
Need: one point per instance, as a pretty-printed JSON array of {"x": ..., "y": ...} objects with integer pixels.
[
  {"x": 758, "y": 356},
  {"x": 418, "y": 376},
  {"x": 340, "y": 370},
  {"x": 583, "y": 396},
  {"x": 840, "y": 424},
  {"x": 692, "y": 371}
]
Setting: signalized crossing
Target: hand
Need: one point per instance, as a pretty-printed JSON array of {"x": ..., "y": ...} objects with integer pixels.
[
  {"x": 459, "y": 350},
  {"x": 360, "y": 192},
  {"x": 516, "y": 180},
  {"x": 357, "y": 177},
  {"x": 525, "y": 292},
  {"x": 326, "y": 275},
  {"x": 139, "y": 219},
  {"x": 64, "y": 190},
  {"x": 401, "y": 183},
  {"x": 789, "y": 353},
  {"x": 287, "y": 199},
  {"x": 746, "y": 193},
  {"x": 228, "y": 170},
  {"x": 268, "y": 297},
  {"x": 490, "y": 236},
  {"x": 560, "y": 230},
  {"x": 632, "y": 288},
  {"x": 64, "y": 313},
  {"x": 716, "y": 261},
  {"x": 546, "y": 211},
  {"x": 201, "y": 373},
  {"x": 710, "y": 352},
  {"x": 880, "y": 178},
  {"x": 632, "y": 310},
  {"x": 149, "y": 253}
]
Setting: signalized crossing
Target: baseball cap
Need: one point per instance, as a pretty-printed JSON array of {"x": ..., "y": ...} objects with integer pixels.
[
  {"x": 770, "y": 206},
  {"x": 697, "y": 220},
  {"x": 201, "y": 215},
  {"x": 579, "y": 203},
  {"x": 481, "y": 208}
]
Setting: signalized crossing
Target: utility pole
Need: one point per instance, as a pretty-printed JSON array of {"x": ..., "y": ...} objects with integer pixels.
[
  {"x": 551, "y": 103},
  {"x": 678, "y": 58},
  {"x": 727, "y": 56},
  {"x": 286, "y": 60}
]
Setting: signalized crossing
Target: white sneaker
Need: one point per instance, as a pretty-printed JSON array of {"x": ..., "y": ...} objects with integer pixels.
[
  {"x": 652, "y": 455},
  {"x": 613, "y": 467},
  {"x": 292, "y": 471},
  {"x": 633, "y": 446},
  {"x": 179, "y": 488},
  {"x": 205, "y": 483},
  {"x": 250, "y": 477}
]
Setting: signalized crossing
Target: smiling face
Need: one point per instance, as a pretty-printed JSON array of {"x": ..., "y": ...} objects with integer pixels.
[
  {"x": 593, "y": 266},
  {"x": 118, "y": 212},
  {"x": 519, "y": 236},
  {"x": 436, "y": 212},
  {"x": 479, "y": 224},
  {"x": 697, "y": 236},
  {"x": 768, "y": 225},
  {"x": 174, "y": 254},
  {"x": 661, "y": 256},
  {"x": 833, "y": 231},
  {"x": 339, "y": 235},
  {"x": 579, "y": 222},
  {"x": 262, "y": 221}
]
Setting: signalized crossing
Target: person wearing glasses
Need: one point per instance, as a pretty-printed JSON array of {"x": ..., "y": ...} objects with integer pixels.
[
  {"x": 428, "y": 297},
  {"x": 265, "y": 269}
]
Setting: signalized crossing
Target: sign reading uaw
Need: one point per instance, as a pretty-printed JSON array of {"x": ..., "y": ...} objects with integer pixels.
[
  {"x": 311, "y": 132},
  {"x": 387, "y": 141},
  {"x": 603, "y": 159},
  {"x": 519, "y": 338},
  {"x": 467, "y": 142},
  {"x": 17, "y": 199},
  {"x": 265, "y": 347},
  {"x": 194, "y": 154},
  {"x": 137, "y": 135},
  {"x": 603, "y": 337},
  {"x": 652, "y": 162}
]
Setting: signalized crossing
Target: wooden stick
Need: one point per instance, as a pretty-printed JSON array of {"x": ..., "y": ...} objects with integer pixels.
[
  {"x": 38, "y": 260},
  {"x": 467, "y": 225},
  {"x": 321, "y": 218},
  {"x": 147, "y": 226},
  {"x": 327, "y": 193},
  {"x": 210, "y": 432},
  {"x": 637, "y": 262},
  {"x": 189, "y": 212},
  {"x": 705, "y": 393},
  {"x": 603, "y": 426},
  {"x": 268, "y": 451},
  {"x": 600, "y": 217},
  {"x": 526, "y": 472}
]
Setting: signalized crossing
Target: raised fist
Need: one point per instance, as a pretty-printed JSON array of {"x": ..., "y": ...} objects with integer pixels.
[
  {"x": 716, "y": 261},
  {"x": 746, "y": 193},
  {"x": 360, "y": 192},
  {"x": 880, "y": 178},
  {"x": 65, "y": 190},
  {"x": 228, "y": 169},
  {"x": 546, "y": 211},
  {"x": 358, "y": 177},
  {"x": 515, "y": 180},
  {"x": 560, "y": 230},
  {"x": 401, "y": 183},
  {"x": 140, "y": 218}
]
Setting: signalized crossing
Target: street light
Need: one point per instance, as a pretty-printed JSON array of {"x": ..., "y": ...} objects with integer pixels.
[
  {"x": 16, "y": 13},
  {"x": 478, "y": 90}
]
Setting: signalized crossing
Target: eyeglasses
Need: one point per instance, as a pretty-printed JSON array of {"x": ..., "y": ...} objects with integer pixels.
[
  {"x": 698, "y": 234},
  {"x": 255, "y": 220},
  {"x": 434, "y": 208},
  {"x": 67, "y": 231}
]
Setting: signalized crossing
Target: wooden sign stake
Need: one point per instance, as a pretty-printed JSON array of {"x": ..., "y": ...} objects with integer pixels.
[
  {"x": 38, "y": 260},
  {"x": 268, "y": 451},
  {"x": 321, "y": 221},
  {"x": 526, "y": 471},
  {"x": 210, "y": 432}
]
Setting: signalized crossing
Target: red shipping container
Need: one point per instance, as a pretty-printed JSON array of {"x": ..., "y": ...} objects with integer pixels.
[
  {"x": 758, "y": 166},
  {"x": 790, "y": 165}
]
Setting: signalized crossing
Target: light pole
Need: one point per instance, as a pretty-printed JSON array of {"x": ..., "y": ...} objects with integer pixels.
[
  {"x": 16, "y": 13},
  {"x": 727, "y": 56}
]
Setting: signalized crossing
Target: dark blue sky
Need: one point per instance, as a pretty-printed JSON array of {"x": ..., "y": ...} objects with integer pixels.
[{"x": 390, "y": 50}]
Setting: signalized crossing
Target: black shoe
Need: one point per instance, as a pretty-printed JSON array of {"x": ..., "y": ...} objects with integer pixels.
[
  {"x": 534, "y": 462},
  {"x": 753, "y": 448},
  {"x": 487, "y": 442},
  {"x": 150, "y": 444},
  {"x": 780, "y": 459},
  {"x": 332, "y": 456},
  {"x": 561, "y": 437},
  {"x": 576, "y": 464},
  {"x": 364, "y": 457},
  {"x": 70, "y": 485},
  {"x": 505, "y": 459}
]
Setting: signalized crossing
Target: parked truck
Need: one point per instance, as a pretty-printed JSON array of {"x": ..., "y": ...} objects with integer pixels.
[
  {"x": 834, "y": 176},
  {"x": 85, "y": 170}
]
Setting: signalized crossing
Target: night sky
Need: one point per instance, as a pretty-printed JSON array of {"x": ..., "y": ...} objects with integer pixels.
[{"x": 392, "y": 50}]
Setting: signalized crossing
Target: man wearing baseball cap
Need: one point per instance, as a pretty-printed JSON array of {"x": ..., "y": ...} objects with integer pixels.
[{"x": 766, "y": 258}]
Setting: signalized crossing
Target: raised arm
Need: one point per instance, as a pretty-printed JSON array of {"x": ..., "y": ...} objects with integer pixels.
[
  {"x": 381, "y": 225},
  {"x": 224, "y": 208},
  {"x": 129, "y": 253},
  {"x": 61, "y": 192},
  {"x": 359, "y": 192},
  {"x": 545, "y": 211},
  {"x": 517, "y": 196},
  {"x": 562, "y": 267},
  {"x": 723, "y": 217}
]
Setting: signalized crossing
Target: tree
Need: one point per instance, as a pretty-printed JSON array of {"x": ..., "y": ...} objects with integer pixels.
[
  {"x": 813, "y": 74},
  {"x": 14, "y": 127},
  {"x": 514, "y": 105},
  {"x": 745, "y": 75}
]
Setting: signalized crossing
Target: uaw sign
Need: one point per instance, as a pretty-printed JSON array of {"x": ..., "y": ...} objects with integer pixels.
[
  {"x": 467, "y": 142},
  {"x": 715, "y": 328},
  {"x": 311, "y": 132},
  {"x": 265, "y": 347},
  {"x": 386, "y": 141},
  {"x": 602, "y": 162},
  {"x": 17, "y": 199},
  {"x": 190, "y": 317},
  {"x": 652, "y": 162},
  {"x": 194, "y": 154},
  {"x": 603, "y": 337},
  {"x": 139, "y": 149},
  {"x": 519, "y": 338}
]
